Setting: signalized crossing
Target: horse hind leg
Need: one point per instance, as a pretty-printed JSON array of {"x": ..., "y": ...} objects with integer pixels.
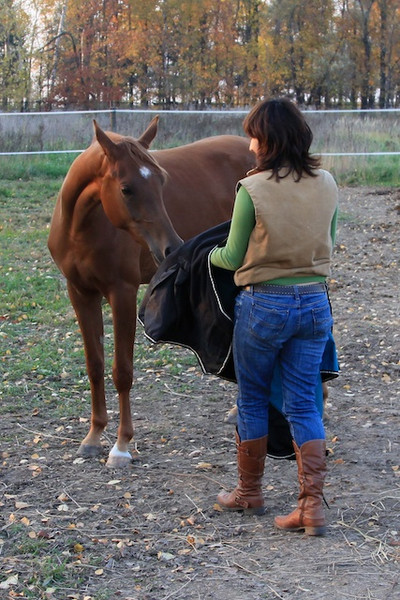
[{"x": 89, "y": 314}]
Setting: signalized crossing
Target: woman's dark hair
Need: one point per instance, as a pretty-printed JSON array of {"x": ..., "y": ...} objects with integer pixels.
[{"x": 284, "y": 138}]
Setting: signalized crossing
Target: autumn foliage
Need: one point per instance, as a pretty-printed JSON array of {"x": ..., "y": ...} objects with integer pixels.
[{"x": 192, "y": 54}]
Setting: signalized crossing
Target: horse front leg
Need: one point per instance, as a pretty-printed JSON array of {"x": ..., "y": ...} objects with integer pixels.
[
  {"x": 123, "y": 306},
  {"x": 87, "y": 306}
]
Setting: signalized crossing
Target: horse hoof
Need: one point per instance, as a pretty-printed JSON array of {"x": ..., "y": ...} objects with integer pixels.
[
  {"x": 231, "y": 416},
  {"x": 118, "y": 462},
  {"x": 118, "y": 459},
  {"x": 87, "y": 451}
]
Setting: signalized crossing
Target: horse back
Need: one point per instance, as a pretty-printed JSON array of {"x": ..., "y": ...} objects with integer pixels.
[{"x": 202, "y": 178}]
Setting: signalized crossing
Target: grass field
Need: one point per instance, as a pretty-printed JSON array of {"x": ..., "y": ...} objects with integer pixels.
[
  {"x": 40, "y": 342},
  {"x": 34, "y": 310}
]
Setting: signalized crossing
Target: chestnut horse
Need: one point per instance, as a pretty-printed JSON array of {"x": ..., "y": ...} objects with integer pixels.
[{"x": 120, "y": 211}]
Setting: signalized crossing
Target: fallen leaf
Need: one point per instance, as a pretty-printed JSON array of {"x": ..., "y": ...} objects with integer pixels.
[
  {"x": 21, "y": 505},
  {"x": 150, "y": 517},
  {"x": 165, "y": 556},
  {"x": 13, "y": 580},
  {"x": 43, "y": 534}
]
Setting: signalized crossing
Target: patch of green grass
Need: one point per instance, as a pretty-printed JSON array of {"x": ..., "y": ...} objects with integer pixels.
[
  {"x": 46, "y": 166},
  {"x": 40, "y": 344},
  {"x": 50, "y": 572},
  {"x": 45, "y": 565},
  {"x": 374, "y": 171},
  {"x": 31, "y": 547},
  {"x": 104, "y": 595}
]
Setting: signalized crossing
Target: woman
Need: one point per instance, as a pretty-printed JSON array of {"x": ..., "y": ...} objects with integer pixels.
[{"x": 280, "y": 244}]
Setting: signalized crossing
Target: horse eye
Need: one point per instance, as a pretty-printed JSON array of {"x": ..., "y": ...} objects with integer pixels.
[{"x": 126, "y": 190}]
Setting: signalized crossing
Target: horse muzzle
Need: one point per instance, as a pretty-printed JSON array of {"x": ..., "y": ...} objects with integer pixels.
[{"x": 160, "y": 253}]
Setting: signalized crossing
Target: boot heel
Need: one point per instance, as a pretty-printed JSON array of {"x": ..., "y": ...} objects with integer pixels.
[{"x": 317, "y": 531}]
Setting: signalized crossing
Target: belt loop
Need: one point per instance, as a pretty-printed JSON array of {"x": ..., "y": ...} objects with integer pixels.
[{"x": 249, "y": 288}]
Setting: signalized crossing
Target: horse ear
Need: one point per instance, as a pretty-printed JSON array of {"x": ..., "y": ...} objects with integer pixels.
[
  {"x": 105, "y": 142},
  {"x": 148, "y": 136}
]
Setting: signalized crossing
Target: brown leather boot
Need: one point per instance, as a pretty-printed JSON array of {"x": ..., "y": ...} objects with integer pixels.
[
  {"x": 247, "y": 495},
  {"x": 309, "y": 514}
]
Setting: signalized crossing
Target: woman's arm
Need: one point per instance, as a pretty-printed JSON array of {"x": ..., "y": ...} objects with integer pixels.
[{"x": 243, "y": 220}]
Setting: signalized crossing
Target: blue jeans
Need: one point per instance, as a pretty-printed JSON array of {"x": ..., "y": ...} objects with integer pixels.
[{"x": 288, "y": 332}]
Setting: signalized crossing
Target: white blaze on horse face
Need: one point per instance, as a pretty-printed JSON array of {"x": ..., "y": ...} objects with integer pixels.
[{"x": 145, "y": 172}]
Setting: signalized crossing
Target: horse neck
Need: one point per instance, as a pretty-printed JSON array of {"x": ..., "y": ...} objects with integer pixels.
[{"x": 80, "y": 187}]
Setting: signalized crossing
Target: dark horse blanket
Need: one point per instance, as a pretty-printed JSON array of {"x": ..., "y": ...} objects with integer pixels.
[{"x": 190, "y": 302}]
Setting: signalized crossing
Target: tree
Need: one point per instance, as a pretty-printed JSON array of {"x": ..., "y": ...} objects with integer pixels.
[
  {"x": 14, "y": 68},
  {"x": 388, "y": 17},
  {"x": 364, "y": 15},
  {"x": 300, "y": 48},
  {"x": 209, "y": 53}
]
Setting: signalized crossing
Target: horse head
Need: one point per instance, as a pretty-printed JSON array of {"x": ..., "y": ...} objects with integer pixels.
[{"x": 131, "y": 190}]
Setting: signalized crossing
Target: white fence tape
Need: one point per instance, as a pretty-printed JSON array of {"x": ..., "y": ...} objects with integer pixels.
[
  {"x": 193, "y": 112},
  {"x": 317, "y": 153},
  {"x": 40, "y": 152}
]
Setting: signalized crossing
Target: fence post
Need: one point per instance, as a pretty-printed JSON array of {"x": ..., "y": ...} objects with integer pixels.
[{"x": 113, "y": 119}]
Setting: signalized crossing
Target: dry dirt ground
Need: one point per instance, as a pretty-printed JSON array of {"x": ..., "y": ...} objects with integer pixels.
[{"x": 75, "y": 529}]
